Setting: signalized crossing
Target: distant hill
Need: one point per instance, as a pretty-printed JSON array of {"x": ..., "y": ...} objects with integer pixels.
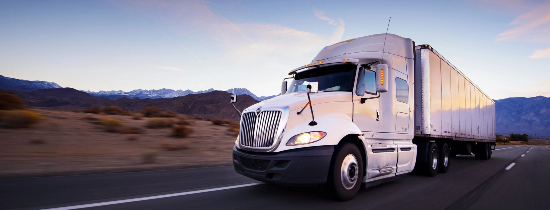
[
  {"x": 523, "y": 115},
  {"x": 12, "y": 84},
  {"x": 207, "y": 105},
  {"x": 7, "y": 83}
]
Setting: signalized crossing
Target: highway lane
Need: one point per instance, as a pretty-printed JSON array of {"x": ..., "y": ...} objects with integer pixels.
[{"x": 451, "y": 190}]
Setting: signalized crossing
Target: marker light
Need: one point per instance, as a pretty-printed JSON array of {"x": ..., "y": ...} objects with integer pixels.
[
  {"x": 320, "y": 62},
  {"x": 381, "y": 76},
  {"x": 346, "y": 59},
  {"x": 313, "y": 63},
  {"x": 306, "y": 138}
]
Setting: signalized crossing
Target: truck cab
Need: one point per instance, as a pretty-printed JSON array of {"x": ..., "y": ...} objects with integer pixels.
[{"x": 344, "y": 119}]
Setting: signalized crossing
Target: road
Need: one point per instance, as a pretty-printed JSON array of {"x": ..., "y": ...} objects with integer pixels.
[{"x": 517, "y": 177}]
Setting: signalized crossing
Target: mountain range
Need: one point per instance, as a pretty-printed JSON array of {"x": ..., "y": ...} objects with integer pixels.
[{"x": 513, "y": 115}]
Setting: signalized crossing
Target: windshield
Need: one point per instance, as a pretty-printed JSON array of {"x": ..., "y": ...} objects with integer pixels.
[{"x": 330, "y": 78}]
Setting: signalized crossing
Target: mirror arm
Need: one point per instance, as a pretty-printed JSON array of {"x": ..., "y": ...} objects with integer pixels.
[
  {"x": 365, "y": 99},
  {"x": 240, "y": 114}
]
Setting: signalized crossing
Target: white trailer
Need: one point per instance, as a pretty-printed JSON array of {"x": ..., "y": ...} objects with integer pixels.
[{"x": 363, "y": 111}]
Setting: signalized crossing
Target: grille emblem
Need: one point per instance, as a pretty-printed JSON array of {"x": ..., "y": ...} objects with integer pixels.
[{"x": 258, "y": 111}]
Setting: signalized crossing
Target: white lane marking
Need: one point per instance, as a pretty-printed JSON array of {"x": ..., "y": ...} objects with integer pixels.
[
  {"x": 151, "y": 197},
  {"x": 510, "y": 166},
  {"x": 522, "y": 155}
]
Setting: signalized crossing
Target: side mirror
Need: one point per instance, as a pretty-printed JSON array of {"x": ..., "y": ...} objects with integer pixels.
[
  {"x": 313, "y": 87},
  {"x": 360, "y": 90},
  {"x": 284, "y": 87},
  {"x": 382, "y": 78},
  {"x": 233, "y": 98}
]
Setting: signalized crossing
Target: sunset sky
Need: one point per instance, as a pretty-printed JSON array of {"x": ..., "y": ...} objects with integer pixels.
[{"x": 503, "y": 46}]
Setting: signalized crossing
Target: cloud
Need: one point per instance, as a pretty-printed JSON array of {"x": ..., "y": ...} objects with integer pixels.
[
  {"x": 543, "y": 84},
  {"x": 532, "y": 26},
  {"x": 168, "y": 68},
  {"x": 545, "y": 53},
  {"x": 340, "y": 25}
]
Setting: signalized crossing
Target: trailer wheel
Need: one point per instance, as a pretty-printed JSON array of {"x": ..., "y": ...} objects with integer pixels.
[
  {"x": 346, "y": 173},
  {"x": 444, "y": 154},
  {"x": 482, "y": 151},
  {"x": 490, "y": 151},
  {"x": 432, "y": 165}
]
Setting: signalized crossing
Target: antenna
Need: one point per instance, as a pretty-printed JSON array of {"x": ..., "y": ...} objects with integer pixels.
[{"x": 384, "y": 49}]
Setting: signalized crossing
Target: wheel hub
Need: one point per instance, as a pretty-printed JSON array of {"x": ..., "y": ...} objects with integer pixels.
[
  {"x": 434, "y": 159},
  {"x": 349, "y": 171}
]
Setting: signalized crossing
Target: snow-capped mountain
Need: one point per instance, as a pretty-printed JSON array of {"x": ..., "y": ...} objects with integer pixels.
[{"x": 7, "y": 83}]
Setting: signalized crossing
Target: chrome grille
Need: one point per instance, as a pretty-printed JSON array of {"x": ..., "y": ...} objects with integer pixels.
[{"x": 259, "y": 130}]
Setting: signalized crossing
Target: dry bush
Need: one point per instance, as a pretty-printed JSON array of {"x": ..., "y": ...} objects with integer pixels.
[
  {"x": 234, "y": 128},
  {"x": 174, "y": 146},
  {"x": 19, "y": 118},
  {"x": 181, "y": 131},
  {"x": 132, "y": 137},
  {"x": 149, "y": 157},
  {"x": 130, "y": 130},
  {"x": 151, "y": 111},
  {"x": 167, "y": 114},
  {"x": 93, "y": 110},
  {"x": 76, "y": 111},
  {"x": 37, "y": 141},
  {"x": 198, "y": 118},
  {"x": 159, "y": 123},
  {"x": 10, "y": 101},
  {"x": 114, "y": 110},
  {"x": 217, "y": 121},
  {"x": 111, "y": 125},
  {"x": 137, "y": 116}
]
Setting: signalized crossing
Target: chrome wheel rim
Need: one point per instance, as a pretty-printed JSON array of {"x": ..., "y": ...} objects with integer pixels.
[
  {"x": 446, "y": 158},
  {"x": 434, "y": 158},
  {"x": 349, "y": 171}
]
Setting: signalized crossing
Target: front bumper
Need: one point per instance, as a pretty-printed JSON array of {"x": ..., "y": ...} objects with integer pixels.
[{"x": 305, "y": 166}]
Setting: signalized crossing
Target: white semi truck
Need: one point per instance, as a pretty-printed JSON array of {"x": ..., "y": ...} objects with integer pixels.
[{"x": 363, "y": 111}]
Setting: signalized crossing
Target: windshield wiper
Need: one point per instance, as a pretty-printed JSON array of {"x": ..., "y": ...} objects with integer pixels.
[{"x": 312, "y": 123}]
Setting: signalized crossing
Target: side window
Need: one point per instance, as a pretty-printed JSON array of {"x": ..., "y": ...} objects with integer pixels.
[{"x": 401, "y": 90}]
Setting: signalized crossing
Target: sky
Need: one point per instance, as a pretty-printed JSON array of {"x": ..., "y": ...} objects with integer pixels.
[{"x": 501, "y": 45}]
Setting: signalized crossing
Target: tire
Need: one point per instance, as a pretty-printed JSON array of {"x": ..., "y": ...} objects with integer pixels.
[
  {"x": 346, "y": 172},
  {"x": 482, "y": 151},
  {"x": 490, "y": 151},
  {"x": 432, "y": 166},
  {"x": 444, "y": 155}
]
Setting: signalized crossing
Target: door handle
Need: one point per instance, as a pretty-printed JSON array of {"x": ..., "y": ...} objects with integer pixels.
[{"x": 377, "y": 115}]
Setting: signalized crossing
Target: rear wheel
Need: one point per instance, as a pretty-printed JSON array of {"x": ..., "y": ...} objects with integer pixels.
[
  {"x": 346, "y": 173},
  {"x": 482, "y": 151},
  {"x": 444, "y": 154},
  {"x": 433, "y": 157}
]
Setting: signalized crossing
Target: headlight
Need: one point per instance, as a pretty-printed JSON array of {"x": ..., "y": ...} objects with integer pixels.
[
  {"x": 306, "y": 138},
  {"x": 237, "y": 141}
]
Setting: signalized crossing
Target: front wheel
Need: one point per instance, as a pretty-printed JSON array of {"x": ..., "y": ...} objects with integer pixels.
[{"x": 346, "y": 173}]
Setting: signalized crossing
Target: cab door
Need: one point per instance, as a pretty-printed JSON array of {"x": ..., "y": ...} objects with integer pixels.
[{"x": 365, "y": 103}]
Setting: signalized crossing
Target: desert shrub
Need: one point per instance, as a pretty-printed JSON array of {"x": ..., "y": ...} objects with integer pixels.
[
  {"x": 19, "y": 118},
  {"x": 111, "y": 125},
  {"x": 181, "y": 131},
  {"x": 93, "y": 110},
  {"x": 159, "y": 123},
  {"x": 37, "y": 141},
  {"x": 198, "y": 118},
  {"x": 502, "y": 139},
  {"x": 10, "y": 101},
  {"x": 76, "y": 111},
  {"x": 234, "y": 128},
  {"x": 167, "y": 114},
  {"x": 132, "y": 137},
  {"x": 519, "y": 137},
  {"x": 137, "y": 116},
  {"x": 130, "y": 130},
  {"x": 151, "y": 111},
  {"x": 114, "y": 110},
  {"x": 217, "y": 121},
  {"x": 174, "y": 146},
  {"x": 149, "y": 157}
]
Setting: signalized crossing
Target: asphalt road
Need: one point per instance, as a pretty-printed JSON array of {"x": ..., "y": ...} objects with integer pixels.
[{"x": 469, "y": 184}]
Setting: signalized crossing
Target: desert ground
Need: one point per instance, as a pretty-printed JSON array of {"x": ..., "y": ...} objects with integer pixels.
[{"x": 65, "y": 142}]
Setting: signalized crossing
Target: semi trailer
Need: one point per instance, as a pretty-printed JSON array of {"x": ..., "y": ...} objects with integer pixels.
[{"x": 364, "y": 111}]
